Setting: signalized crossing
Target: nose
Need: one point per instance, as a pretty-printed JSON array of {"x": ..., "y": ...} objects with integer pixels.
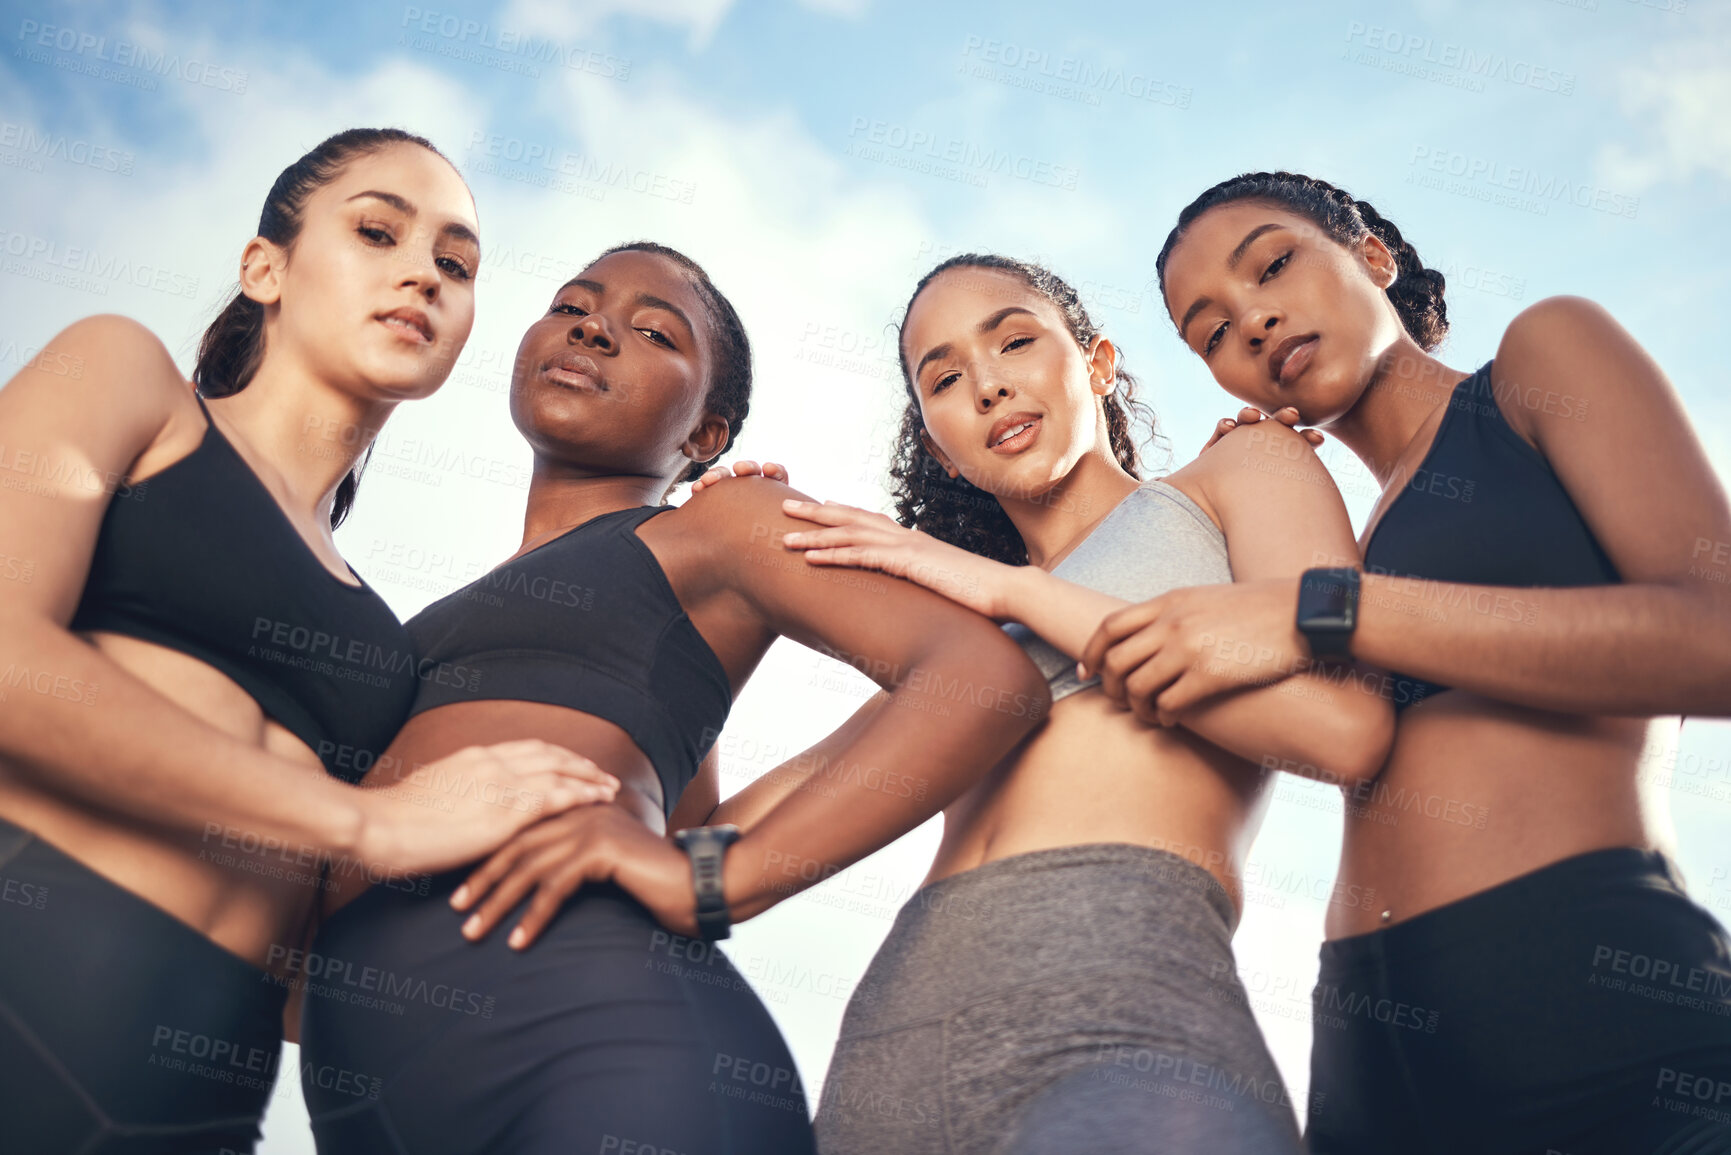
[
  {"x": 591, "y": 331},
  {"x": 989, "y": 392},
  {"x": 1259, "y": 327}
]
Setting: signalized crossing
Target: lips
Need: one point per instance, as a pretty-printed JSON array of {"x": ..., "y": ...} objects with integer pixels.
[
  {"x": 1290, "y": 357},
  {"x": 574, "y": 370},
  {"x": 1013, "y": 432},
  {"x": 408, "y": 323}
]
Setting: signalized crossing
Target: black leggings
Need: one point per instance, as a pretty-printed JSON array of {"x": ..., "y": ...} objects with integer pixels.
[
  {"x": 608, "y": 1035},
  {"x": 123, "y": 1031},
  {"x": 1583, "y": 1009}
]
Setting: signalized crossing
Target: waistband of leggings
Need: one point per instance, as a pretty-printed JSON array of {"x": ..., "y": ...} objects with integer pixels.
[
  {"x": 1539, "y": 893},
  {"x": 1162, "y": 865},
  {"x": 104, "y": 899}
]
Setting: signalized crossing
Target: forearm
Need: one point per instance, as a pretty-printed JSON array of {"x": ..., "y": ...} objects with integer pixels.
[
  {"x": 1329, "y": 724},
  {"x": 1640, "y": 649},
  {"x": 751, "y": 804},
  {"x": 75, "y": 723},
  {"x": 935, "y": 735},
  {"x": 1063, "y": 613}
]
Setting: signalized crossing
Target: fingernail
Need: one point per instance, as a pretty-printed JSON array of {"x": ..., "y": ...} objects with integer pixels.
[
  {"x": 518, "y": 938},
  {"x": 1081, "y": 671},
  {"x": 460, "y": 897},
  {"x": 472, "y": 927}
]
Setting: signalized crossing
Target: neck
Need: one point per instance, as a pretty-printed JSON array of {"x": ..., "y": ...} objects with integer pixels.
[
  {"x": 1405, "y": 390},
  {"x": 1055, "y": 520},
  {"x": 304, "y": 429},
  {"x": 561, "y": 496}
]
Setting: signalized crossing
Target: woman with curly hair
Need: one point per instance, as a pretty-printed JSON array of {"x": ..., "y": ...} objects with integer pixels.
[{"x": 1064, "y": 981}]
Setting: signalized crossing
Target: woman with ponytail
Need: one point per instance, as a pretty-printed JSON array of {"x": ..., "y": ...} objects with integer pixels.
[
  {"x": 195, "y": 680},
  {"x": 1064, "y": 981},
  {"x": 1532, "y": 573}
]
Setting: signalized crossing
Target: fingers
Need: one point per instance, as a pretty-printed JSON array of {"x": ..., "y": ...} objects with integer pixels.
[
  {"x": 1124, "y": 659},
  {"x": 1144, "y": 685},
  {"x": 509, "y": 889},
  {"x": 831, "y": 512},
  {"x": 775, "y": 472},
  {"x": 1114, "y": 628},
  {"x": 550, "y": 895}
]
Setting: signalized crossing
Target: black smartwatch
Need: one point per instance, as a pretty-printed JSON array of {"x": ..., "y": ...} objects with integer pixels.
[
  {"x": 706, "y": 846},
  {"x": 1328, "y": 610}
]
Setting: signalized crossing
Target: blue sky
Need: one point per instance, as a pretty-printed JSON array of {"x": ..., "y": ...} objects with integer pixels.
[{"x": 818, "y": 157}]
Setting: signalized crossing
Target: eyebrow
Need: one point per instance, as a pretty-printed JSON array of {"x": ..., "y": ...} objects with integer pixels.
[
  {"x": 984, "y": 327},
  {"x": 1232, "y": 260},
  {"x": 643, "y": 300},
  {"x": 407, "y": 208}
]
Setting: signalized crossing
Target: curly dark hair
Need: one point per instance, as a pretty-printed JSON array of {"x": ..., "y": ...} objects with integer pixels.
[
  {"x": 954, "y": 510},
  {"x": 729, "y": 395},
  {"x": 232, "y": 348},
  {"x": 1417, "y": 292}
]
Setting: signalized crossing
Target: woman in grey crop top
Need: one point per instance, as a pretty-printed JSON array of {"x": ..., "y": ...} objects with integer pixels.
[{"x": 1065, "y": 979}]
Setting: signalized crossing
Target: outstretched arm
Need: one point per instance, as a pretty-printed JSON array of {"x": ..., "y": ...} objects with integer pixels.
[{"x": 959, "y": 695}]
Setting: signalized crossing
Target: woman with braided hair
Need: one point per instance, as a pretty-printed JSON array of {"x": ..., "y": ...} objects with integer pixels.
[{"x": 1529, "y": 571}]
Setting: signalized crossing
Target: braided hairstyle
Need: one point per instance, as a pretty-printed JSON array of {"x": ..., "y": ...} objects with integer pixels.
[
  {"x": 954, "y": 510},
  {"x": 232, "y": 348},
  {"x": 729, "y": 395},
  {"x": 1417, "y": 292}
]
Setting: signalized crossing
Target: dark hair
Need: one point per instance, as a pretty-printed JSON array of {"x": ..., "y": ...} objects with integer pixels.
[
  {"x": 955, "y": 510},
  {"x": 729, "y": 393},
  {"x": 1417, "y": 292},
  {"x": 232, "y": 347}
]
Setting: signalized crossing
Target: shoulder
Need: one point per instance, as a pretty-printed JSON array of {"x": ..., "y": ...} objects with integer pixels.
[
  {"x": 739, "y": 497},
  {"x": 1259, "y": 455},
  {"x": 1561, "y": 356},
  {"x": 1262, "y": 470},
  {"x": 121, "y": 358}
]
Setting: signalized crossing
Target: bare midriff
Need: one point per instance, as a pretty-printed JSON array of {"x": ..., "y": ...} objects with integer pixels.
[
  {"x": 248, "y": 897},
  {"x": 1092, "y": 773},
  {"x": 1477, "y": 792}
]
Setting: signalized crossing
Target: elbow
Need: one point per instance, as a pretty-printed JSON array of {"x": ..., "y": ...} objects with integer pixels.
[{"x": 1355, "y": 746}]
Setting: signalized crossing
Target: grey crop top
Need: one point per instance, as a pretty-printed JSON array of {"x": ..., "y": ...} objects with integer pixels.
[{"x": 1154, "y": 540}]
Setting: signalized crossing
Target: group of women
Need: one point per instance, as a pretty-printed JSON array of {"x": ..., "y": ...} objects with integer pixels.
[{"x": 273, "y": 810}]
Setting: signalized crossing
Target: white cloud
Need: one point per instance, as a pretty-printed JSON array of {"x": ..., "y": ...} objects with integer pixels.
[
  {"x": 577, "y": 19},
  {"x": 1675, "y": 101}
]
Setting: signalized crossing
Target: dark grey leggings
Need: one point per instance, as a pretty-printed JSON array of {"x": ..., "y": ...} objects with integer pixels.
[{"x": 1077, "y": 999}]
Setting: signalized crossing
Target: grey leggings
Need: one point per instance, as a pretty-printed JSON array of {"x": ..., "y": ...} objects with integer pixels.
[{"x": 1077, "y": 999}]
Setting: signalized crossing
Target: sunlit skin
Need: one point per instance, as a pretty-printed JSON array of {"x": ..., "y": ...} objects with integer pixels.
[
  {"x": 610, "y": 390},
  {"x": 990, "y": 354},
  {"x": 332, "y": 372},
  {"x": 1550, "y": 784}
]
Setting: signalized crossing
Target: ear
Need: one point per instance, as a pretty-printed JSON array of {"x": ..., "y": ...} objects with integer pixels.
[
  {"x": 1379, "y": 262},
  {"x": 708, "y": 440},
  {"x": 262, "y": 265},
  {"x": 943, "y": 458},
  {"x": 1102, "y": 367}
]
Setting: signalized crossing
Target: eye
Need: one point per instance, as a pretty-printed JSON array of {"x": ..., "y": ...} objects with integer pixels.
[
  {"x": 658, "y": 336},
  {"x": 375, "y": 235},
  {"x": 455, "y": 268},
  {"x": 1278, "y": 263},
  {"x": 1017, "y": 343},
  {"x": 1213, "y": 338},
  {"x": 568, "y": 309},
  {"x": 944, "y": 382}
]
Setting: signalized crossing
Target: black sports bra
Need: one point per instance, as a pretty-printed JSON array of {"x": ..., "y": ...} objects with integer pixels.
[
  {"x": 200, "y": 558},
  {"x": 1484, "y": 508},
  {"x": 587, "y": 621}
]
